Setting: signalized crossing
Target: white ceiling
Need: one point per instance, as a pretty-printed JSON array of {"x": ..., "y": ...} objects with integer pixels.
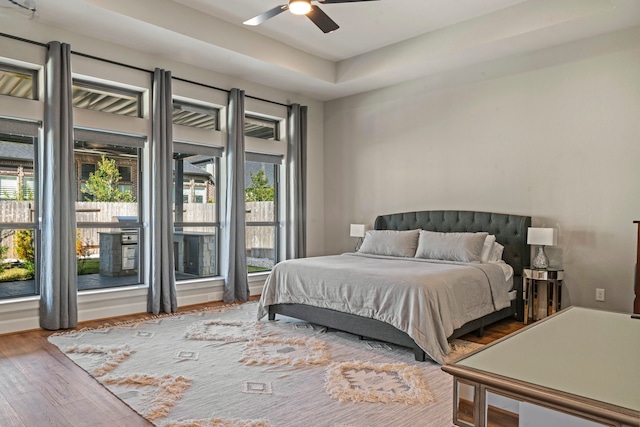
[{"x": 379, "y": 43}]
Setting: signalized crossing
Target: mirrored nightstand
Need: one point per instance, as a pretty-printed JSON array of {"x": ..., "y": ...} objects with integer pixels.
[{"x": 552, "y": 279}]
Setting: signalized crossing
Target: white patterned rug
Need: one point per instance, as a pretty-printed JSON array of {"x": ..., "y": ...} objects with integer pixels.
[{"x": 222, "y": 368}]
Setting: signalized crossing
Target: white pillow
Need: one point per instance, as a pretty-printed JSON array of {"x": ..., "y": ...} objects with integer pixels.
[
  {"x": 390, "y": 243},
  {"x": 496, "y": 253},
  {"x": 463, "y": 247},
  {"x": 487, "y": 248}
]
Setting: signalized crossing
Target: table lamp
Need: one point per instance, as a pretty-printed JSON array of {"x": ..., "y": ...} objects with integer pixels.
[
  {"x": 357, "y": 230},
  {"x": 541, "y": 237}
]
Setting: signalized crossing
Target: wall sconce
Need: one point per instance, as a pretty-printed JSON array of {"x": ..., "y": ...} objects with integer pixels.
[
  {"x": 541, "y": 237},
  {"x": 357, "y": 230}
]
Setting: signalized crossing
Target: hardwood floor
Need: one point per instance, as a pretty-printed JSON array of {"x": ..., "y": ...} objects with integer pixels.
[
  {"x": 495, "y": 331},
  {"x": 39, "y": 386}
]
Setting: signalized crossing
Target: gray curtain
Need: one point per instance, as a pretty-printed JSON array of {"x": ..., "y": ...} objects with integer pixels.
[
  {"x": 56, "y": 258},
  {"x": 233, "y": 248},
  {"x": 161, "y": 275},
  {"x": 297, "y": 182}
]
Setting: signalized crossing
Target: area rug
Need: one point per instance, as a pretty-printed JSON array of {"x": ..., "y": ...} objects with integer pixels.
[{"x": 221, "y": 367}]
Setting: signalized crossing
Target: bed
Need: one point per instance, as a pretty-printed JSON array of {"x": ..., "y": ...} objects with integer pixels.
[{"x": 296, "y": 288}]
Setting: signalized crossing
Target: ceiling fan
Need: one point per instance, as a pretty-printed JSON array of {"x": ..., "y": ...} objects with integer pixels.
[{"x": 303, "y": 7}]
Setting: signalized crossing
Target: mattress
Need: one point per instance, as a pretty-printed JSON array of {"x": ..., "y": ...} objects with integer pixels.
[{"x": 426, "y": 299}]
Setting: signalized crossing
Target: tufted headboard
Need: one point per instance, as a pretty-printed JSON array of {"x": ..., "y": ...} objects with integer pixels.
[{"x": 510, "y": 230}]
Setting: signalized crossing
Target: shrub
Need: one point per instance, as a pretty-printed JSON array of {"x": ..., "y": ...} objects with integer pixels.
[
  {"x": 3, "y": 256},
  {"x": 24, "y": 245}
]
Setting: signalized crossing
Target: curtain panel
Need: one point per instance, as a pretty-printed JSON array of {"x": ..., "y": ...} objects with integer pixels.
[
  {"x": 161, "y": 275},
  {"x": 233, "y": 249},
  {"x": 56, "y": 257},
  {"x": 297, "y": 182}
]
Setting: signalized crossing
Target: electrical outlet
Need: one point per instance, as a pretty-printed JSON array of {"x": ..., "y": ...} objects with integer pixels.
[{"x": 599, "y": 294}]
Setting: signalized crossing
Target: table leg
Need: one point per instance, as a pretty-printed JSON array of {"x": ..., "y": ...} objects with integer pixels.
[
  {"x": 550, "y": 296},
  {"x": 535, "y": 301},
  {"x": 526, "y": 296},
  {"x": 559, "y": 296}
]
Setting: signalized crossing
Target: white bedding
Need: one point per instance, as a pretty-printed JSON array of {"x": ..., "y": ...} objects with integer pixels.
[
  {"x": 507, "y": 269},
  {"x": 427, "y": 299}
]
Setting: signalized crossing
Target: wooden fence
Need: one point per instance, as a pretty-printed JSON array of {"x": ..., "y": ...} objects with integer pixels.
[{"x": 257, "y": 237}]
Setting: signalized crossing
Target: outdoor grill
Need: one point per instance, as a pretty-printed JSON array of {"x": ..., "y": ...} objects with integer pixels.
[
  {"x": 119, "y": 250},
  {"x": 129, "y": 241}
]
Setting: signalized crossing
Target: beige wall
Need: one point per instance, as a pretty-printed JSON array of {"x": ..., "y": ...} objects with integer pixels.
[{"x": 553, "y": 134}]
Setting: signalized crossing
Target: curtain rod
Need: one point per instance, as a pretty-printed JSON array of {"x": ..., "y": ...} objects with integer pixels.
[
  {"x": 227, "y": 90},
  {"x": 9, "y": 36}
]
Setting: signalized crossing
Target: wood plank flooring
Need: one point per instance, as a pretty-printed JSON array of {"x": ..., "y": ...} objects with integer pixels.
[{"x": 39, "y": 386}]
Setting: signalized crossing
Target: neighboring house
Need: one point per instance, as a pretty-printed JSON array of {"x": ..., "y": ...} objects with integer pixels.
[{"x": 16, "y": 170}]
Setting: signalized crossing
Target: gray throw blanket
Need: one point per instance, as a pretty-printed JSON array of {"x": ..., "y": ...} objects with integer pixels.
[{"x": 427, "y": 299}]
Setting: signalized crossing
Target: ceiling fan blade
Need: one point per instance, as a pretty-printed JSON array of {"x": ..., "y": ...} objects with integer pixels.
[
  {"x": 322, "y": 20},
  {"x": 341, "y": 1},
  {"x": 257, "y": 20}
]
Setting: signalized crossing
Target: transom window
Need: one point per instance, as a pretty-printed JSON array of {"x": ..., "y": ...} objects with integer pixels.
[
  {"x": 108, "y": 99},
  {"x": 18, "y": 82},
  {"x": 260, "y": 127},
  {"x": 197, "y": 116}
]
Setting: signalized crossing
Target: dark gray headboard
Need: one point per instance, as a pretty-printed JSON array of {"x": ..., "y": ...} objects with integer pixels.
[{"x": 510, "y": 230}]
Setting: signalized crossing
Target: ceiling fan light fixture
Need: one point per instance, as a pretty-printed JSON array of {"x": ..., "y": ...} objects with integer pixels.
[{"x": 300, "y": 7}]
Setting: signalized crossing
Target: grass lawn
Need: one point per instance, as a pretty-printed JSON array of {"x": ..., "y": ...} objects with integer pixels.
[
  {"x": 89, "y": 266},
  {"x": 85, "y": 266}
]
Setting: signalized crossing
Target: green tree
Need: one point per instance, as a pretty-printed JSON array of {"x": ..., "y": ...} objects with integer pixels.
[
  {"x": 260, "y": 191},
  {"x": 102, "y": 184},
  {"x": 24, "y": 247}
]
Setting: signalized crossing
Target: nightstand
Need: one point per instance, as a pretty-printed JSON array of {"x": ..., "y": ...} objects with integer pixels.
[{"x": 552, "y": 278}]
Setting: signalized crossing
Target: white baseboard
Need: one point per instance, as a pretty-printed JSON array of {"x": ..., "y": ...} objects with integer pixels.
[{"x": 22, "y": 314}]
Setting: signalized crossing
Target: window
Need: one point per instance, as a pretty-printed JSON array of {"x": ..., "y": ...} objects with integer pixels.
[
  {"x": 109, "y": 235},
  {"x": 259, "y": 127},
  {"x": 108, "y": 99},
  {"x": 18, "y": 215},
  {"x": 28, "y": 188},
  {"x": 125, "y": 188},
  {"x": 86, "y": 170},
  {"x": 186, "y": 114},
  {"x": 196, "y": 215},
  {"x": 18, "y": 82},
  {"x": 261, "y": 199},
  {"x": 125, "y": 173},
  {"x": 8, "y": 187}
]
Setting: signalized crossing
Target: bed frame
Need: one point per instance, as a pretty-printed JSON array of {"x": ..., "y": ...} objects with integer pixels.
[{"x": 510, "y": 231}]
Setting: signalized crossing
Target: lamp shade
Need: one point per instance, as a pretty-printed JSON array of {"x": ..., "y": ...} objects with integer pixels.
[
  {"x": 541, "y": 236},
  {"x": 357, "y": 230}
]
